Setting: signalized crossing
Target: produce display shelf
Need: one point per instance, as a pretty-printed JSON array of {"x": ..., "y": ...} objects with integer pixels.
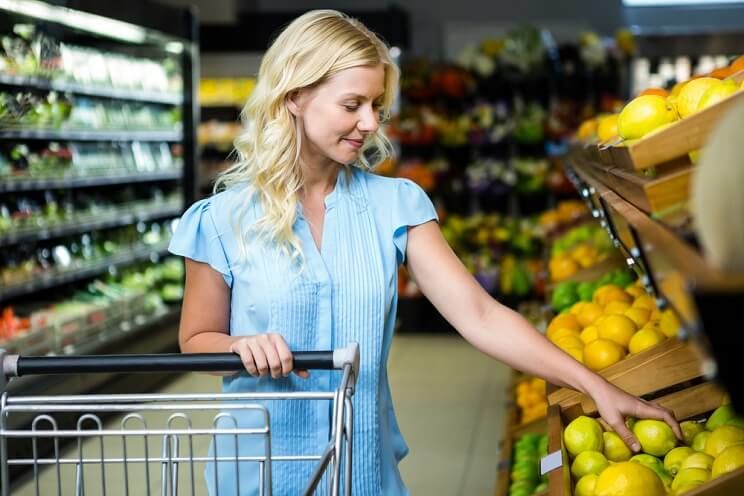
[
  {"x": 676, "y": 140},
  {"x": 78, "y": 135},
  {"x": 113, "y": 218},
  {"x": 13, "y": 185},
  {"x": 672, "y": 263},
  {"x": 49, "y": 281},
  {"x": 652, "y": 194},
  {"x": 38, "y": 83},
  {"x": 136, "y": 325},
  {"x": 687, "y": 403},
  {"x": 669, "y": 364}
]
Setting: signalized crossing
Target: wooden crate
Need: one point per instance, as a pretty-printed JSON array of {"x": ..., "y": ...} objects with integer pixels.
[
  {"x": 677, "y": 140},
  {"x": 503, "y": 478},
  {"x": 689, "y": 403},
  {"x": 671, "y": 363}
]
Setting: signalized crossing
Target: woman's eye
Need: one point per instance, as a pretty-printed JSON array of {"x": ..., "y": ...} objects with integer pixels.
[{"x": 351, "y": 108}]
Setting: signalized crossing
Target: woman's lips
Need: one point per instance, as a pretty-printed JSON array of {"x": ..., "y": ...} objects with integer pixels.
[{"x": 354, "y": 143}]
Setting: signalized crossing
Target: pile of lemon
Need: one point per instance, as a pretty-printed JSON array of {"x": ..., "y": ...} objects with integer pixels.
[
  {"x": 616, "y": 322},
  {"x": 531, "y": 399},
  {"x": 656, "y": 108},
  {"x": 602, "y": 465}
]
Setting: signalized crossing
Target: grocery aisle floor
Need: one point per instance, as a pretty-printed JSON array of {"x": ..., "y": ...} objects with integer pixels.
[{"x": 450, "y": 404}]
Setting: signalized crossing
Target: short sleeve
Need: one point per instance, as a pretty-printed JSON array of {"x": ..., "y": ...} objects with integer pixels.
[
  {"x": 412, "y": 207},
  {"x": 197, "y": 238}
]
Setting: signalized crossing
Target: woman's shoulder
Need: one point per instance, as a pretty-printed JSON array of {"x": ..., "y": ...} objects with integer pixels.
[
  {"x": 387, "y": 186},
  {"x": 237, "y": 199}
]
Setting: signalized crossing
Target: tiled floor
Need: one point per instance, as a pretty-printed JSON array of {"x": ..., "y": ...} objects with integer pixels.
[{"x": 449, "y": 401}]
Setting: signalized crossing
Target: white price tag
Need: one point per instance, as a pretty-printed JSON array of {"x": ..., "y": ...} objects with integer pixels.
[{"x": 551, "y": 462}]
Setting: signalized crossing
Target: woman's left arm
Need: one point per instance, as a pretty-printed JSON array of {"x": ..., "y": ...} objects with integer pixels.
[{"x": 505, "y": 335}]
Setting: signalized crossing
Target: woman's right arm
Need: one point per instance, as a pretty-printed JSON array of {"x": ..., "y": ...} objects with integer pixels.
[{"x": 205, "y": 320}]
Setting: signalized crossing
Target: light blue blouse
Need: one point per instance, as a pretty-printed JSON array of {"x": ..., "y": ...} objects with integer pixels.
[{"x": 347, "y": 292}]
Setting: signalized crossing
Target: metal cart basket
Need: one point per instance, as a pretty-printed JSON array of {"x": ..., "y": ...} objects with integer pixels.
[{"x": 141, "y": 444}]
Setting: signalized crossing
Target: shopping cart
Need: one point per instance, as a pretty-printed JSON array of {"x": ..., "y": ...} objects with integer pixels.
[{"x": 67, "y": 441}]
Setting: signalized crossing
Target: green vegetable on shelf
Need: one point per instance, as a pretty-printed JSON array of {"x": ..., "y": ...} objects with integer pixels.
[{"x": 564, "y": 295}]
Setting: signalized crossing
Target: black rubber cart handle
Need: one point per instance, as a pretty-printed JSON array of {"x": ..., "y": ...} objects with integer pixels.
[{"x": 17, "y": 366}]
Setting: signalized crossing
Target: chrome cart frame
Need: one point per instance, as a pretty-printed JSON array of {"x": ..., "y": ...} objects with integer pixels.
[{"x": 156, "y": 433}]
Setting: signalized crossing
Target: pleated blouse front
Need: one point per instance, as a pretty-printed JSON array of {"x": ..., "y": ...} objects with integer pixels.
[{"x": 346, "y": 292}]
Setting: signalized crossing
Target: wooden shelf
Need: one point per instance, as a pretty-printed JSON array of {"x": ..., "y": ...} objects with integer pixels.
[
  {"x": 669, "y": 364},
  {"x": 689, "y": 403}
]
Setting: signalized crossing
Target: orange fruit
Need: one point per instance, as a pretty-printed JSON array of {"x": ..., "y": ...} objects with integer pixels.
[
  {"x": 617, "y": 328},
  {"x": 720, "y": 73},
  {"x": 655, "y": 91},
  {"x": 564, "y": 320},
  {"x": 638, "y": 315},
  {"x": 576, "y": 353},
  {"x": 589, "y": 334},
  {"x": 644, "y": 339},
  {"x": 562, "y": 268},
  {"x": 690, "y": 95},
  {"x": 616, "y": 308},
  {"x": 669, "y": 323},
  {"x": 569, "y": 341},
  {"x": 635, "y": 291},
  {"x": 602, "y": 353},
  {"x": 737, "y": 65},
  {"x": 576, "y": 308},
  {"x": 608, "y": 293},
  {"x": 560, "y": 332},
  {"x": 644, "y": 301},
  {"x": 587, "y": 130},
  {"x": 588, "y": 314}
]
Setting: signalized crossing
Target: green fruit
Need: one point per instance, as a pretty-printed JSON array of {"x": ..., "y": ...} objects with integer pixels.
[
  {"x": 586, "y": 485},
  {"x": 588, "y": 462},
  {"x": 649, "y": 461},
  {"x": 719, "y": 417},
  {"x": 673, "y": 460},
  {"x": 689, "y": 476},
  {"x": 690, "y": 429},
  {"x": 698, "y": 460},
  {"x": 614, "y": 448},
  {"x": 583, "y": 434},
  {"x": 699, "y": 441},
  {"x": 655, "y": 436}
]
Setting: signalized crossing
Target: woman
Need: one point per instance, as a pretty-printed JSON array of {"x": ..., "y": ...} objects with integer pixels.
[{"x": 301, "y": 251}]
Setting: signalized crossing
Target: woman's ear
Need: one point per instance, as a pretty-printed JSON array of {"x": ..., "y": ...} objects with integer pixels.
[{"x": 294, "y": 102}]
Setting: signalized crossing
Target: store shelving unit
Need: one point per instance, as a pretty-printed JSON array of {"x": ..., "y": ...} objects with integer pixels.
[
  {"x": 660, "y": 245},
  {"x": 157, "y": 54}
]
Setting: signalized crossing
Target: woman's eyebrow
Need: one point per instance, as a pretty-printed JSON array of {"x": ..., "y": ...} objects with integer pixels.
[{"x": 361, "y": 97}]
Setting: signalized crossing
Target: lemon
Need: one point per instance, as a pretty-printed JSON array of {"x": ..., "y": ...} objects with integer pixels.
[
  {"x": 607, "y": 128},
  {"x": 559, "y": 333},
  {"x": 587, "y": 130},
  {"x": 586, "y": 485},
  {"x": 616, "y": 308},
  {"x": 617, "y": 328},
  {"x": 698, "y": 460},
  {"x": 643, "y": 300},
  {"x": 614, "y": 448},
  {"x": 690, "y": 475},
  {"x": 655, "y": 436},
  {"x": 684, "y": 488},
  {"x": 643, "y": 114},
  {"x": 669, "y": 323},
  {"x": 717, "y": 93},
  {"x": 673, "y": 460},
  {"x": 589, "y": 334},
  {"x": 690, "y": 95},
  {"x": 700, "y": 440},
  {"x": 690, "y": 429},
  {"x": 583, "y": 434},
  {"x": 649, "y": 461},
  {"x": 638, "y": 315},
  {"x": 722, "y": 438},
  {"x": 723, "y": 415},
  {"x": 645, "y": 339},
  {"x": 602, "y": 353},
  {"x": 588, "y": 462},
  {"x": 730, "y": 459},
  {"x": 628, "y": 479},
  {"x": 588, "y": 314}
]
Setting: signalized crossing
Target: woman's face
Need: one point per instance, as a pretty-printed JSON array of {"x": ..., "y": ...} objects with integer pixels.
[{"x": 337, "y": 116}]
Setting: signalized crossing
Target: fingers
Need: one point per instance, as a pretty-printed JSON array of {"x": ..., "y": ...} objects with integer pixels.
[
  {"x": 650, "y": 410},
  {"x": 266, "y": 354},
  {"x": 284, "y": 354},
  {"x": 618, "y": 425}
]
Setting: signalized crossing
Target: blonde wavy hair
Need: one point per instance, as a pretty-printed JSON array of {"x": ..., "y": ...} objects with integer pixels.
[{"x": 308, "y": 52}]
